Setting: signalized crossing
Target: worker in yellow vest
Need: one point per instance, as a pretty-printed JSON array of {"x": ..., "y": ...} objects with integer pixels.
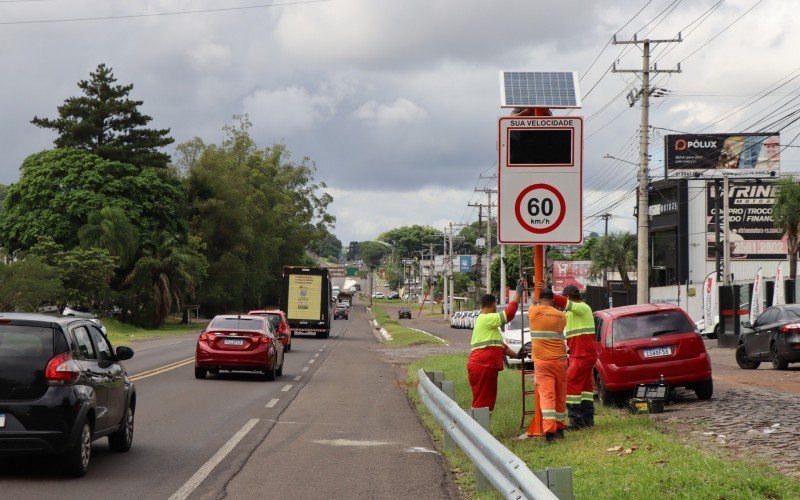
[{"x": 487, "y": 349}]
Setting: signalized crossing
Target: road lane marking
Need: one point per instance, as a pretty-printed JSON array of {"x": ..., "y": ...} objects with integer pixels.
[
  {"x": 298, "y": 377},
  {"x": 305, "y": 369},
  {"x": 286, "y": 388},
  {"x": 161, "y": 369},
  {"x": 272, "y": 402},
  {"x": 204, "y": 471},
  {"x": 311, "y": 361},
  {"x": 316, "y": 355}
]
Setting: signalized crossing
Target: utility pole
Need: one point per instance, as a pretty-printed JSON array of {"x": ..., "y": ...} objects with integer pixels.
[
  {"x": 489, "y": 243},
  {"x": 726, "y": 273},
  {"x": 605, "y": 233},
  {"x": 450, "y": 273},
  {"x": 446, "y": 277},
  {"x": 642, "y": 277}
]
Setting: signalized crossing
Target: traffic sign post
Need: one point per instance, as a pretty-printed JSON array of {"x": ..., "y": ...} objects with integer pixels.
[{"x": 540, "y": 167}]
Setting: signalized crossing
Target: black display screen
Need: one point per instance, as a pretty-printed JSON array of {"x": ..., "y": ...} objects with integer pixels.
[{"x": 540, "y": 147}]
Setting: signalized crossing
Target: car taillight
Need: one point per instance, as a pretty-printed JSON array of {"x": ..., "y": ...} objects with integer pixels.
[
  {"x": 207, "y": 337},
  {"x": 260, "y": 338},
  {"x": 791, "y": 328},
  {"x": 62, "y": 368}
]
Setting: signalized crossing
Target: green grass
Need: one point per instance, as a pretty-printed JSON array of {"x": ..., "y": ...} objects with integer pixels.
[
  {"x": 123, "y": 332},
  {"x": 402, "y": 336},
  {"x": 660, "y": 467}
]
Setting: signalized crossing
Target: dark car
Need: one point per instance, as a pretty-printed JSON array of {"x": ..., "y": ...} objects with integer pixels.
[
  {"x": 404, "y": 312},
  {"x": 61, "y": 387},
  {"x": 774, "y": 337},
  {"x": 640, "y": 344},
  {"x": 341, "y": 311},
  {"x": 279, "y": 324},
  {"x": 239, "y": 343},
  {"x": 393, "y": 295}
]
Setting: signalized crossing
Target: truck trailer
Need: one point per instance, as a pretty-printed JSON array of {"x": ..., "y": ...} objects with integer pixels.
[{"x": 305, "y": 298}]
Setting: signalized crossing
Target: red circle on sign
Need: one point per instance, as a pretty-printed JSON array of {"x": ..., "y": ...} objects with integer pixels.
[{"x": 551, "y": 227}]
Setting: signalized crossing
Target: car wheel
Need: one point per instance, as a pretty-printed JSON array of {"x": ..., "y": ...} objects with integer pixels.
[
  {"x": 122, "y": 439},
  {"x": 200, "y": 372},
  {"x": 743, "y": 361},
  {"x": 76, "y": 460},
  {"x": 289, "y": 346},
  {"x": 715, "y": 334},
  {"x": 608, "y": 398},
  {"x": 704, "y": 390},
  {"x": 778, "y": 362},
  {"x": 270, "y": 374}
]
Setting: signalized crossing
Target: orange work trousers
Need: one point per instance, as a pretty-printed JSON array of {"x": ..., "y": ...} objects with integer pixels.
[{"x": 551, "y": 382}]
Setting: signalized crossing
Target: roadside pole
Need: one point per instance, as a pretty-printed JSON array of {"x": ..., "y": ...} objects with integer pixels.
[
  {"x": 489, "y": 243},
  {"x": 430, "y": 280},
  {"x": 371, "y": 280},
  {"x": 446, "y": 285},
  {"x": 503, "y": 272},
  {"x": 450, "y": 276},
  {"x": 726, "y": 273}
]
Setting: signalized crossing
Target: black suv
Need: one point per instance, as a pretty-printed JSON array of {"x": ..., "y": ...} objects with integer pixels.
[{"x": 62, "y": 387}]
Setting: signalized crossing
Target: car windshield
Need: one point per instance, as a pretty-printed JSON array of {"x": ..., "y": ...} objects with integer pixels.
[
  {"x": 644, "y": 326},
  {"x": 341, "y": 307},
  {"x": 249, "y": 324},
  {"x": 275, "y": 320}
]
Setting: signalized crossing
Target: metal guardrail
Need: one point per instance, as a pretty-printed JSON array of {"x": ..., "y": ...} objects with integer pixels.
[{"x": 505, "y": 471}]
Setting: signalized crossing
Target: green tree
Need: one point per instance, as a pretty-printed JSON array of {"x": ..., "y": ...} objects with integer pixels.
[
  {"x": 112, "y": 230},
  {"x": 328, "y": 246},
  {"x": 372, "y": 252},
  {"x": 585, "y": 251},
  {"x": 409, "y": 239},
  {"x": 58, "y": 190},
  {"x": 105, "y": 122},
  {"x": 615, "y": 251},
  {"x": 786, "y": 216},
  {"x": 28, "y": 284}
]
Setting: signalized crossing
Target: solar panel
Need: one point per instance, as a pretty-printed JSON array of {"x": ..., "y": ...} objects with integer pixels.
[{"x": 539, "y": 89}]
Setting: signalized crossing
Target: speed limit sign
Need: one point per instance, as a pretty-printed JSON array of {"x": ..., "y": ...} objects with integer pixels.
[{"x": 540, "y": 180}]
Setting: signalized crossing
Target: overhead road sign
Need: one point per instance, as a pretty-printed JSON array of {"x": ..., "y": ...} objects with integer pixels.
[
  {"x": 540, "y": 180},
  {"x": 717, "y": 155},
  {"x": 539, "y": 89},
  {"x": 337, "y": 272}
]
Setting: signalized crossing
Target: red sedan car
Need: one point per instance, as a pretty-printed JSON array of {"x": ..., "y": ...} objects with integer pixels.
[
  {"x": 246, "y": 343},
  {"x": 638, "y": 344},
  {"x": 279, "y": 324}
]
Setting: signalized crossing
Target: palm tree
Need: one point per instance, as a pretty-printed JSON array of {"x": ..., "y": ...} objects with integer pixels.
[
  {"x": 111, "y": 229},
  {"x": 786, "y": 216},
  {"x": 615, "y": 251}
]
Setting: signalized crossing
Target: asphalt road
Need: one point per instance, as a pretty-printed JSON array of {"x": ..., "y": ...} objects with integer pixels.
[{"x": 190, "y": 435}]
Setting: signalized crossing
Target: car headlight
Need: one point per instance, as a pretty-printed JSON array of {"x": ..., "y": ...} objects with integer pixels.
[{"x": 513, "y": 341}]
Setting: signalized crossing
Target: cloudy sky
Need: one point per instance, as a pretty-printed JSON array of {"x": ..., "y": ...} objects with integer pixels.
[{"x": 397, "y": 100}]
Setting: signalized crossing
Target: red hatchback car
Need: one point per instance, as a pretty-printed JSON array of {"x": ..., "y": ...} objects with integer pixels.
[
  {"x": 638, "y": 344},
  {"x": 246, "y": 343},
  {"x": 279, "y": 323}
]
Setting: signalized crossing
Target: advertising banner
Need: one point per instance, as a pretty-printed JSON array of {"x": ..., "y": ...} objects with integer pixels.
[
  {"x": 709, "y": 300},
  {"x": 305, "y": 297},
  {"x": 777, "y": 294},
  {"x": 753, "y": 236},
  {"x": 571, "y": 272},
  {"x": 755, "y": 300},
  {"x": 712, "y": 155}
]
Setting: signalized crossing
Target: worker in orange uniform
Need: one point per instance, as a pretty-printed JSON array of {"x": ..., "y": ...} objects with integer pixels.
[
  {"x": 487, "y": 349},
  {"x": 549, "y": 354},
  {"x": 582, "y": 357}
]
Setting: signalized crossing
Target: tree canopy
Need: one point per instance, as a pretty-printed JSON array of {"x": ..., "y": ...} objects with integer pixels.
[
  {"x": 409, "y": 239},
  {"x": 786, "y": 215},
  {"x": 615, "y": 251},
  {"x": 105, "y": 122}
]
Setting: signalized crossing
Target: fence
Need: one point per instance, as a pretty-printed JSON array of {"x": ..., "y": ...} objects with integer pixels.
[{"x": 493, "y": 462}]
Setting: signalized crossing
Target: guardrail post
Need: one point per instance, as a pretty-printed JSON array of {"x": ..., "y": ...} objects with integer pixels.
[
  {"x": 449, "y": 390},
  {"x": 481, "y": 415},
  {"x": 558, "y": 480}
]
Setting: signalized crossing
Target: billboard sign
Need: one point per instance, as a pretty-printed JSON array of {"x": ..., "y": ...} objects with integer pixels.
[
  {"x": 540, "y": 186},
  {"x": 464, "y": 263},
  {"x": 336, "y": 272},
  {"x": 712, "y": 155},
  {"x": 753, "y": 236},
  {"x": 571, "y": 272}
]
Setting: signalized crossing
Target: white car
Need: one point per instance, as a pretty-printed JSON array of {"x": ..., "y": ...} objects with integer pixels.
[
  {"x": 712, "y": 331},
  {"x": 378, "y": 295},
  {"x": 345, "y": 303},
  {"x": 516, "y": 339}
]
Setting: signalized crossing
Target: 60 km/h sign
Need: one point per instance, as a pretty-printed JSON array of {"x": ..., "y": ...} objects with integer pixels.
[{"x": 540, "y": 180}]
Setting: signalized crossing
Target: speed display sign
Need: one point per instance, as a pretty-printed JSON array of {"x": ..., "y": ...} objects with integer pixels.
[{"x": 540, "y": 180}]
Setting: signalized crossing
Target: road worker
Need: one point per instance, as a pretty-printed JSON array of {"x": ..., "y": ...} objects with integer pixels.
[
  {"x": 549, "y": 354},
  {"x": 487, "y": 349},
  {"x": 582, "y": 357}
]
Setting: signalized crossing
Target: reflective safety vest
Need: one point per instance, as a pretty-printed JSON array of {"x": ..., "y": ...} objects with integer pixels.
[
  {"x": 487, "y": 331},
  {"x": 580, "y": 329}
]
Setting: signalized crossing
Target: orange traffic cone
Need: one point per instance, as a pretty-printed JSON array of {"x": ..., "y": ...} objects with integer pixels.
[{"x": 535, "y": 427}]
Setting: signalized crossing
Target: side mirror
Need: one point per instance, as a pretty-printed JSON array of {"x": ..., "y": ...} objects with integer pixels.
[
  {"x": 747, "y": 324},
  {"x": 124, "y": 352}
]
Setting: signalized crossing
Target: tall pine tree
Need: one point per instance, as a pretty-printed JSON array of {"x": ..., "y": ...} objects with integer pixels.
[{"x": 105, "y": 122}]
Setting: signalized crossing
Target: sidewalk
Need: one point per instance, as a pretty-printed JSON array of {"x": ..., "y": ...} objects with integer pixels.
[{"x": 350, "y": 433}]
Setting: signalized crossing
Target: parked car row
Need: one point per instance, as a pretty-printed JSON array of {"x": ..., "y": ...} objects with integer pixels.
[{"x": 463, "y": 319}]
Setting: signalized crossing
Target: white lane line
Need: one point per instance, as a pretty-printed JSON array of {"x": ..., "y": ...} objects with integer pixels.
[
  {"x": 311, "y": 361},
  {"x": 324, "y": 346},
  {"x": 272, "y": 402},
  {"x": 286, "y": 388},
  {"x": 298, "y": 377},
  {"x": 305, "y": 369},
  {"x": 204, "y": 471},
  {"x": 316, "y": 355},
  {"x": 321, "y": 350}
]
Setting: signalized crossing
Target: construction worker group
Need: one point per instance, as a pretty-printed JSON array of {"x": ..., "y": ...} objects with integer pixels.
[{"x": 563, "y": 381}]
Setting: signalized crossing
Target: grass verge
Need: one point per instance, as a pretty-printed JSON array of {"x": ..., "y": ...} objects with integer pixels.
[
  {"x": 660, "y": 466},
  {"x": 122, "y": 332},
  {"x": 402, "y": 336}
]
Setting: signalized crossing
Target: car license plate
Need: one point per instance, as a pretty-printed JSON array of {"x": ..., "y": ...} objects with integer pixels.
[
  {"x": 234, "y": 342},
  {"x": 2, "y": 420},
  {"x": 657, "y": 352}
]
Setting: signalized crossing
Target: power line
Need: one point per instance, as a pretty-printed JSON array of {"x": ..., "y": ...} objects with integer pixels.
[{"x": 161, "y": 14}]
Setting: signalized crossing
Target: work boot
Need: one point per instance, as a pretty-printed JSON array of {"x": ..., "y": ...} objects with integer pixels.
[
  {"x": 560, "y": 434},
  {"x": 587, "y": 410},
  {"x": 576, "y": 416},
  {"x": 550, "y": 437}
]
